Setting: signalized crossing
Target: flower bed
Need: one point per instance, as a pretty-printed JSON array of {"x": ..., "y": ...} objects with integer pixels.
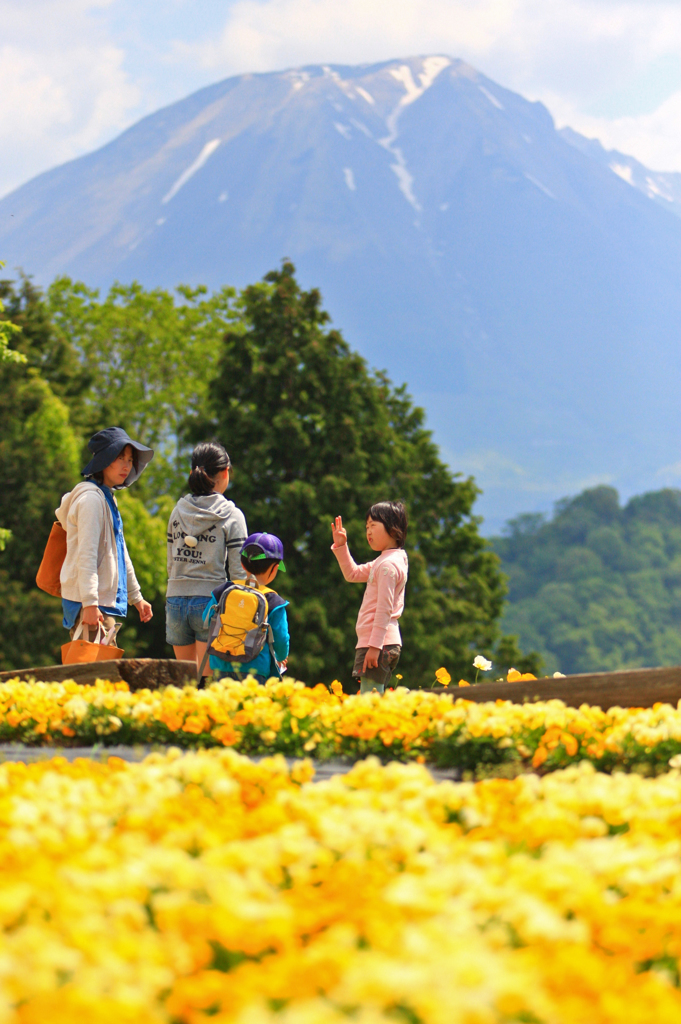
[
  {"x": 203, "y": 887},
  {"x": 289, "y": 718}
]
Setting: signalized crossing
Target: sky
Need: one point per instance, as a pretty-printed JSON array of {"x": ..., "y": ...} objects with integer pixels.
[{"x": 75, "y": 73}]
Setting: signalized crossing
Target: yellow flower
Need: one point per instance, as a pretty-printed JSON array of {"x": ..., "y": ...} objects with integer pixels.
[{"x": 443, "y": 677}]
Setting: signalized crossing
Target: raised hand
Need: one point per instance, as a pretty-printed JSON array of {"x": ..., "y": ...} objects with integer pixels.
[{"x": 340, "y": 536}]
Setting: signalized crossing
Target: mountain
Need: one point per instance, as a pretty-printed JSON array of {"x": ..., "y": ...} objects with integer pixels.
[{"x": 525, "y": 291}]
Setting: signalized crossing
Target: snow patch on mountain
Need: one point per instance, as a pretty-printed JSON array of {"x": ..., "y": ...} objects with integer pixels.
[
  {"x": 203, "y": 156},
  {"x": 624, "y": 172},
  {"x": 349, "y": 178},
  {"x": 365, "y": 95},
  {"x": 361, "y": 127},
  {"x": 544, "y": 189},
  {"x": 432, "y": 66},
  {"x": 493, "y": 100}
]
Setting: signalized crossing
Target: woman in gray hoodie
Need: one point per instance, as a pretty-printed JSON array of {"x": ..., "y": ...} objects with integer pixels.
[{"x": 206, "y": 533}]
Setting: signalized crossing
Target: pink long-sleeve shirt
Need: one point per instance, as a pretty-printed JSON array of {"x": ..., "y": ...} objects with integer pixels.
[{"x": 385, "y": 577}]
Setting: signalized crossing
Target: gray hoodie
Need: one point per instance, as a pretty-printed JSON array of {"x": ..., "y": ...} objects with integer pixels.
[{"x": 219, "y": 529}]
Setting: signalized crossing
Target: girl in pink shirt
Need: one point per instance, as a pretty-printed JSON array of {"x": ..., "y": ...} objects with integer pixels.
[{"x": 379, "y": 643}]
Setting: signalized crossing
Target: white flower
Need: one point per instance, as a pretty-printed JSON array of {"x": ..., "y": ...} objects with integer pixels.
[
  {"x": 76, "y": 708},
  {"x": 559, "y": 675},
  {"x": 482, "y": 663},
  {"x": 675, "y": 761}
]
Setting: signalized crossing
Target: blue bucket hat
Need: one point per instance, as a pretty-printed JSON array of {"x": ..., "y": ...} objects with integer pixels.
[
  {"x": 107, "y": 445},
  {"x": 270, "y": 546}
]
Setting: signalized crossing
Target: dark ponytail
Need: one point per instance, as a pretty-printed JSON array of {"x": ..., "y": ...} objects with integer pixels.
[{"x": 208, "y": 459}]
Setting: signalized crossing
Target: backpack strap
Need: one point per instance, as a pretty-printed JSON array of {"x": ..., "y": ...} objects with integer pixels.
[
  {"x": 270, "y": 644},
  {"x": 206, "y": 655}
]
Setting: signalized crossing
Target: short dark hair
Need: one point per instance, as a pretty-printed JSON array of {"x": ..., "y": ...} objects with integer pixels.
[
  {"x": 393, "y": 515},
  {"x": 208, "y": 459},
  {"x": 99, "y": 477},
  {"x": 256, "y": 566}
]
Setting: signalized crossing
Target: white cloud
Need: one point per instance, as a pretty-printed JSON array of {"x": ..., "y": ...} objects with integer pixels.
[
  {"x": 63, "y": 85},
  {"x": 653, "y": 138}
]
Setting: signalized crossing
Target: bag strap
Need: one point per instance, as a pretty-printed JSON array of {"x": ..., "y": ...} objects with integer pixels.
[
  {"x": 110, "y": 637},
  {"x": 100, "y": 629}
]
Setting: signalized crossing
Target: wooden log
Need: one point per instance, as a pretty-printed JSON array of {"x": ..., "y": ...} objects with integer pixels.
[
  {"x": 138, "y": 673},
  {"x": 632, "y": 688}
]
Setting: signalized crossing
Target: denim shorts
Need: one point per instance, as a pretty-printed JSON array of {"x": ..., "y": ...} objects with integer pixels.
[{"x": 184, "y": 620}]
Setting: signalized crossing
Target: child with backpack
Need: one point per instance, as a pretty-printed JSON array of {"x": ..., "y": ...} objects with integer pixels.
[
  {"x": 379, "y": 643},
  {"x": 206, "y": 532},
  {"x": 248, "y": 626},
  {"x": 97, "y": 579}
]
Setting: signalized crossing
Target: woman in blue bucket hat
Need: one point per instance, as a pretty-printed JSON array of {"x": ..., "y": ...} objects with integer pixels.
[{"x": 97, "y": 579}]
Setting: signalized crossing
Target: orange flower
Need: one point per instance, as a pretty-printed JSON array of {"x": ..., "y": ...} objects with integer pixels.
[
  {"x": 226, "y": 735},
  {"x": 514, "y": 676},
  {"x": 443, "y": 677},
  {"x": 462, "y": 682},
  {"x": 196, "y": 724},
  {"x": 540, "y": 755}
]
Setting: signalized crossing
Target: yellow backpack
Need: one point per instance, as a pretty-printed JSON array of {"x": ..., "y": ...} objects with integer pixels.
[{"x": 239, "y": 627}]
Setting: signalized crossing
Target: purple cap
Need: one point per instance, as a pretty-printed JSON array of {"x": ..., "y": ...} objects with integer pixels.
[{"x": 270, "y": 546}]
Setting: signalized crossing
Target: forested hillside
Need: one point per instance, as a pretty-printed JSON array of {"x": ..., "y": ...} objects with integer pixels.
[
  {"x": 597, "y": 587},
  {"x": 312, "y": 433}
]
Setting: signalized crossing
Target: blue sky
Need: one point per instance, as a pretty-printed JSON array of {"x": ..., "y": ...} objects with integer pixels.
[{"x": 74, "y": 73}]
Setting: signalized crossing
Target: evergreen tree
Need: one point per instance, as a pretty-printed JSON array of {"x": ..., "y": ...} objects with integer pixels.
[{"x": 313, "y": 434}]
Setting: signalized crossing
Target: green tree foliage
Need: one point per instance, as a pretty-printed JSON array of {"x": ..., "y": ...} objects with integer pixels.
[
  {"x": 149, "y": 358},
  {"x": 598, "y": 587},
  {"x": 8, "y": 331},
  {"x": 313, "y": 433},
  {"x": 40, "y": 344},
  {"x": 39, "y": 458}
]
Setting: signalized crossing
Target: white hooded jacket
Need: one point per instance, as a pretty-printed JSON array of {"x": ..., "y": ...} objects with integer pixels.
[{"x": 90, "y": 570}]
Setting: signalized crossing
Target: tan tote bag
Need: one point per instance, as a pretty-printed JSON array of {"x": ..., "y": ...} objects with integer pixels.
[{"x": 79, "y": 651}]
